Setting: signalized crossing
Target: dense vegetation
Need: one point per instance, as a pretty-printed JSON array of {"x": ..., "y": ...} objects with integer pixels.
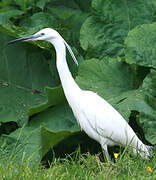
[{"x": 115, "y": 44}]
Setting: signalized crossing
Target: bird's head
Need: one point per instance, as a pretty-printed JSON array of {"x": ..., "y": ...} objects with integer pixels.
[
  {"x": 47, "y": 34},
  {"x": 44, "y": 34}
]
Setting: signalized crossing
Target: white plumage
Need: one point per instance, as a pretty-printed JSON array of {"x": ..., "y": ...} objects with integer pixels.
[{"x": 95, "y": 116}]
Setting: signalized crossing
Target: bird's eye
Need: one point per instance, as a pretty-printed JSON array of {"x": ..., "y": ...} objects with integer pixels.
[{"x": 42, "y": 34}]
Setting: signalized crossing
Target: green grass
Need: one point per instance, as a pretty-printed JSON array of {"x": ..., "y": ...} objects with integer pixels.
[{"x": 79, "y": 166}]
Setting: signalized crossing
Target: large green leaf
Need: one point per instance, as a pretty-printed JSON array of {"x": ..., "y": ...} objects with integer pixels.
[
  {"x": 24, "y": 74},
  {"x": 16, "y": 101},
  {"x": 114, "y": 81},
  {"x": 103, "y": 76},
  {"x": 39, "y": 21},
  {"x": 24, "y": 143},
  {"x": 141, "y": 45},
  {"x": 148, "y": 121},
  {"x": 103, "y": 33},
  {"x": 54, "y": 96},
  {"x": 59, "y": 124},
  {"x": 42, "y": 133}
]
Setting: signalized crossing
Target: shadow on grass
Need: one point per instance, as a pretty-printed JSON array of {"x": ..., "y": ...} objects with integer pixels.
[{"x": 67, "y": 148}]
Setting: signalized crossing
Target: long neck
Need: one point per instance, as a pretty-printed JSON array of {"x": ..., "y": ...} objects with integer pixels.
[{"x": 69, "y": 85}]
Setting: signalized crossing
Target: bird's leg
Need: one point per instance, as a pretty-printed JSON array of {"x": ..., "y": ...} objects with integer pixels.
[{"x": 104, "y": 147}]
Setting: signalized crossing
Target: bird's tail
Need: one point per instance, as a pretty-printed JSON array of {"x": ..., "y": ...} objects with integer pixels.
[
  {"x": 146, "y": 151},
  {"x": 142, "y": 149}
]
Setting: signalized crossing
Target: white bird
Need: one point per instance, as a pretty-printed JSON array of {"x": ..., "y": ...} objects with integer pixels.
[{"x": 95, "y": 116}]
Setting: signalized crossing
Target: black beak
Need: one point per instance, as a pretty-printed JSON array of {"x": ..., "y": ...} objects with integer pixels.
[{"x": 31, "y": 37}]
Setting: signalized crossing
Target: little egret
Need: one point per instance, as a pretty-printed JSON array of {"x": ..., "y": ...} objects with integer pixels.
[{"x": 95, "y": 116}]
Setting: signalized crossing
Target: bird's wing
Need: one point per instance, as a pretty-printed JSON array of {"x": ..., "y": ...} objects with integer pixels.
[{"x": 103, "y": 119}]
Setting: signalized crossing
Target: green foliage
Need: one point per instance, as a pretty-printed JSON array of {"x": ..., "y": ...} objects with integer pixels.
[
  {"x": 117, "y": 42},
  {"x": 140, "y": 45},
  {"x": 103, "y": 33}
]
